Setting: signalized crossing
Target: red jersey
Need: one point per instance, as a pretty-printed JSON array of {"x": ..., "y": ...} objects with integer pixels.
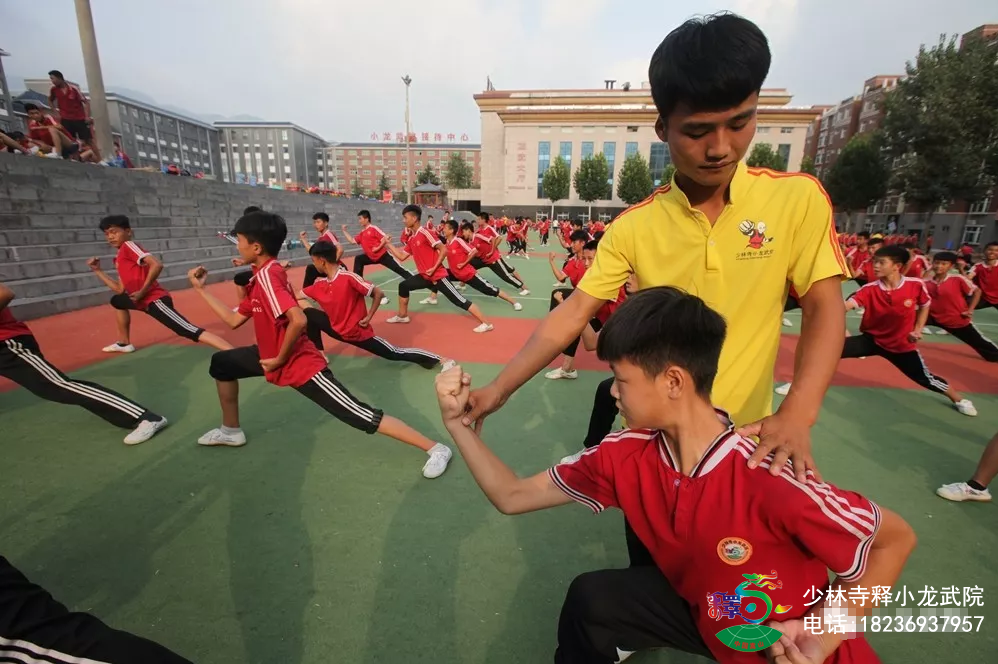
[
  {"x": 133, "y": 272},
  {"x": 268, "y": 298},
  {"x": 330, "y": 237},
  {"x": 603, "y": 313},
  {"x": 70, "y": 101},
  {"x": 368, "y": 239},
  {"x": 482, "y": 241},
  {"x": 575, "y": 269},
  {"x": 10, "y": 327},
  {"x": 709, "y": 531},
  {"x": 917, "y": 266},
  {"x": 597, "y": 227},
  {"x": 986, "y": 278},
  {"x": 422, "y": 247},
  {"x": 341, "y": 296},
  {"x": 856, "y": 258},
  {"x": 949, "y": 299},
  {"x": 890, "y": 314},
  {"x": 544, "y": 227},
  {"x": 566, "y": 231},
  {"x": 457, "y": 253},
  {"x": 39, "y": 131}
]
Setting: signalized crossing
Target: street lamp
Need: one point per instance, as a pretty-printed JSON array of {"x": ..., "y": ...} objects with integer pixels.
[{"x": 408, "y": 145}]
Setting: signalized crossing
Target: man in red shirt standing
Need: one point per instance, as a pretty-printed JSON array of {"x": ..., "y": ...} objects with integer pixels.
[
  {"x": 544, "y": 229},
  {"x": 74, "y": 111},
  {"x": 486, "y": 241},
  {"x": 951, "y": 311},
  {"x": 985, "y": 275},
  {"x": 895, "y": 310}
]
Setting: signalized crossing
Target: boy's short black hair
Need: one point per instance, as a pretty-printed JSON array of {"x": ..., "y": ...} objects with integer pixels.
[
  {"x": 321, "y": 215},
  {"x": 430, "y": 217},
  {"x": 948, "y": 256},
  {"x": 592, "y": 245},
  {"x": 30, "y": 107},
  {"x": 468, "y": 226},
  {"x": 893, "y": 252},
  {"x": 483, "y": 216},
  {"x": 875, "y": 241},
  {"x": 709, "y": 63},
  {"x": 578, "y": 236},
  {"x": 115, "y": 221},
  {"x": 57, "y": 74},
  {"x": 413, "y": 208},
  {"x": 577, "y": 222},
  {"x": 993, "y": 243},
  {"x": 598, "y": 235},
  {"x": 251, "y": 209},
  {"x": 863, "y": 234},
  {"x": 452, "y": 224},
  {"x": 266, "y": 228},
  {"x": 365, "y": 214},
  {"x": 664, "y": 326},
  {"x": 323, "y": 249}
]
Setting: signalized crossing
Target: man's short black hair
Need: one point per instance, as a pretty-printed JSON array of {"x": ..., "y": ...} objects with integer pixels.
[
  {"x": 452, "y": 224},
  {"x": 321, "y": 215},
  {"x": 710, "y": 63},
  {"x": 323, "y": 249},
  {"x": 30, "y": 107},
  {"x": 483, "y": 215},
  {"x": 251, "y": 209},
  {"x": 948, "y": 256},
  {"x": 894, "y": 253},
  {"x": 430, "y": 217},
  {"x": 863, "y": 234},
  {"x": 365, "y": 214},
  {"x": 468, "y": 226},
  {"x": 266, "y": 228},
  {"x": 577, "y": 222},
  {"x": 57, "y": 74},
  {"x": 592, "y": 245},
  {"x": 413, "y": 208},
  {"x": 876, "y": 240},
  {"x": 115, "y": 221},
  {"x": 664, "y": 326},
  {"x": 578, "y": 236},
  {"x": 598, "y": 235},
  {"x": 993, "y": 243}
]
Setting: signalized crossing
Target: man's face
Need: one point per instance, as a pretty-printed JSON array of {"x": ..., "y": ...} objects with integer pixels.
[
  {"x": 941, "y": 267},
  {"x": 56, "y": 81},
  {"x": 248, "y": 251},
  {"x": 588, "y": 256},
  {"x": 410, "y": 220},
  {"x": 706, "y": 146},
  {"x": 991, "y": 253},
  {"x": 638, "y": 396},
  {"x": 362, "y": 220},
  {"x": 429, "y": 221},
  {"x": 467, "y": 234},
  {"x": 319, "y": 264},
  {"x": 577, "y": 246},
  {"x": 35, "y": 114},
  {"x": 117, "y": 236},
  {"x": 320, "y": 225},
  {"x": 884, "y": 267},
  {"x": 446, "y": 230},
  {"x": 861, "y": 242}
]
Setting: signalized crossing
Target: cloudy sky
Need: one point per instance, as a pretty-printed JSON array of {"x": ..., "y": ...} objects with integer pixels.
[{"x": 334, "y": 66}]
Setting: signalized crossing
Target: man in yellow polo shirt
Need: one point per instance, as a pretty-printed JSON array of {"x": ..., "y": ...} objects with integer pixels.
[{"x": 737, "y": 237}]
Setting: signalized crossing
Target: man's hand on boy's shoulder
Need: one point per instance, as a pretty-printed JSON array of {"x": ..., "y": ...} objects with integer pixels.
[
  {"x": 453, "y": 387},
  {"x": 788, "y": 438}
]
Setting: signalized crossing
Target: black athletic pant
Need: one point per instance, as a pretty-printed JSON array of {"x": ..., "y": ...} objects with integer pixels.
[
  {"x": 476, "y": 282},
  {"x": 910, "y": 363},
  {"x": 318, "y": 322},
  {"x": 36, "y": 629},
  {"x": 21, "y": 361},
  {"x": 971, "y": 336},
  {"x": 362, "y": 261},
  {"x": 544, "y": 238},
  {"x": 311, "y": 274},
  {"x": 323, "y": 389},
  {"x": 790, "y": 304},
  {"x": 984, "y": 304},
  {"x": 162, "y": 310},
  {"x": 611, "y": 612},
  {"x": 603, "y": 415},
  {"x": 595, "y": 323},
  {"x": 419, "y": 282},
  {"x": 502, "y": 270}
]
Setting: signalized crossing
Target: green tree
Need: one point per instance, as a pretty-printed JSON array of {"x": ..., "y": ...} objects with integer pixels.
[
  {"x": 941, "y": 124},
  {"x": 556, "y": 182},
  {"x": 807, "y": 166},
  {"x": 668, "y": 172},
  {"x": 427, "y": 175},
  {"x": 764, "y": 156},
  {"x": 459, "y": 174},
  {"x": 383, "y": 184},
  {"x": 375, "y": 194},
  {"x": 591, "y": 179},
  {"x": 634, "y": 183},
  {"x": 357, "y": 191},
  {"x": 403, "y": 195},
  {"x": 859, "y": 177}
]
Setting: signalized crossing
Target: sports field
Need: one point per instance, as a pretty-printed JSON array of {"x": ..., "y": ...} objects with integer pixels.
[{"x": 318, "y": 544}]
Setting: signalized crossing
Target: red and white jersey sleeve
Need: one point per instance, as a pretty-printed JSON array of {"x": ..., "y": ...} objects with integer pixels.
[
  {"x": 590, "y": 479},
  {"x": 277, "y": 296},
  {"x": 330, "y": 237}
]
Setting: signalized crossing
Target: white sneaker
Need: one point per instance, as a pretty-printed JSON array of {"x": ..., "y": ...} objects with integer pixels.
[
  {"x": 558, "y": 284},
  {"x": 783, "y": 390},
  {"x": 966, "y": 407},
  {"x": 926, "y": 330},
  {"x": 572, "y": 458},
  {"x": 940, "y": 332},
  {"x": 145, "y": 431},
  {"x": 440, "y": 456},
  {"x": 524, "y": 293},
  {"x": 218, "y": 438},
  {"x": 787, "y": 322},
  {"x": 384, "y": 301},
  {"x": 517, "y": 306},
  {"x": 429, "y": 300},
  {"x": 119, "y": 348},
  {"x": 961, "y": 491},
  {"x": 54, "y": 155},
  {"x": 461, "y": 287},
  {"x": 398, "y": 319},
  {"x": 484, "y": 327},
  {"x": 559, "y": 374}
]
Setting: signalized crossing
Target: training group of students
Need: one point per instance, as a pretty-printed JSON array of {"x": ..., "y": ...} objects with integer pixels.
[{"x": 682, "y": 296}]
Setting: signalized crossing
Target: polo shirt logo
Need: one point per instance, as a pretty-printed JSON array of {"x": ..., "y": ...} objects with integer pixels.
[
  {"x": 734, "y": 550},
  {"x": 909, "y": 303},
  {"x": 746, "y": 604},
  {"x": 755, "y": 231}
]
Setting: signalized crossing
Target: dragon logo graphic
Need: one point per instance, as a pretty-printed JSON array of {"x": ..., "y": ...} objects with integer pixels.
[{"x": 744, "y": 604}]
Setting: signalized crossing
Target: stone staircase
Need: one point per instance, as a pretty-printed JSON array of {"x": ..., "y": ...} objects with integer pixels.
[{"x": 50, "y": 210}]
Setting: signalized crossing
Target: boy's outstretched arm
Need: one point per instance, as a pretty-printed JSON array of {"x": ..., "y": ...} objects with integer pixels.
[
  {"x": 116, "y": 286},
  {"x": 197, "y": 276},
  {"x": 509, "y": 493}
]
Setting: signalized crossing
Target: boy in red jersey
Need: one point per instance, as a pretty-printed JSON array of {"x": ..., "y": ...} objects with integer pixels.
[
  {"x": 320, "y": 221},
  {"x": 583, "y": 254},
  {"x": 895, "y": 310},
  {"x": 343, "y": 314},
  {"x": 985, "y": 275},
  {"x": 137, "y": 290},
  {"x": 74, "y": 111},
  {"x": 283, "y": 355},
  {"x": 486, "y": 242},
  {"x": 950, "y": 309},
  {"x": 429, "y": 253},
  {"x": 21, "y": 361},
  {"x": 544, "y": 230},
  {"x": 681, "y": 479},
  {"x": 49, "y": 136},
  {"x": 374, "y": 242},
  {"x": 917, "y": 264},
  {"x": 459, "y": 257},
  {"x": 858, "y": 255}
]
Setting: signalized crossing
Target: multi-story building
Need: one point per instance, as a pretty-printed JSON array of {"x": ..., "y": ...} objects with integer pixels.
[
  {"x": 524, "y": 130},
  {"x": 8, "y": 121},
  {"x": 276, "y": 153},
  {"x": 861, "y": 114},
  {"x": 988, "y": 32},
  {"x": 871, "y": 111},
  {"x": 360, "y": 165}
]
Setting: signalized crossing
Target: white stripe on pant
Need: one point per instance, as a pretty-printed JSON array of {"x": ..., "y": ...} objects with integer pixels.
[
  {"x": 342, "y": 399},
  {"x": 175, "y": 317}
]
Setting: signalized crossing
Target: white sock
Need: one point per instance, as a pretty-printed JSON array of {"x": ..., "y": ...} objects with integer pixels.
[
  {"x": 436, "y": 448},
  {"x": 230, "y": 431}
]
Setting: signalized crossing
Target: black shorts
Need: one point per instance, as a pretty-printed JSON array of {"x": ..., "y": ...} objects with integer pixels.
[
  {"x": 323, "y": 388},
  {"x": 162, "y": 310},
  {"x": 78, "y": 129}
]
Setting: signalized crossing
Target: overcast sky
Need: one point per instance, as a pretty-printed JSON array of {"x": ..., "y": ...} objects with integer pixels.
[{"x": 334, "y": 66}]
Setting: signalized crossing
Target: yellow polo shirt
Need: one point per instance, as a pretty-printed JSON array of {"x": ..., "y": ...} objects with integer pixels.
[{"x": 776, "y": 230}]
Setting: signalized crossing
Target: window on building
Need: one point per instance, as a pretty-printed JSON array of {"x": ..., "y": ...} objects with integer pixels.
[
  {"x": 391, "y": 153},
  {"x": 543, "y": 163},
  {"x": 366, "y": 172},
  {"x": 610, "y": 152},
  {"x": 284, "y": 134},
  {"x": 126, "y": 127},
  {"x": 786, "y": 130},
  {"x": 587, "y": 149},
  {"x": 660, "y": 158},
  {"x": 631, "y": 147},
  {"x": 146, "y": 116},
  {"x": 565, "y": 152},
  {"x": 135, "y": 112},
  {"x": 784, "y": 151},
  {"x": 981, "y": 206},
  {"x": 762, "y": 130},
  {"x": 972, "y": 234}
]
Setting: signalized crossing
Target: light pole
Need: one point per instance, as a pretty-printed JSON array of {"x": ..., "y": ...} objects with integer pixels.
[
  {"x": 408, "y": 145},
  {"x": 95, "y": 80}
]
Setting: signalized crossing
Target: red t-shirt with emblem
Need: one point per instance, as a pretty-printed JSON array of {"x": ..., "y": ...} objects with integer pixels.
[
  {"x": 369, "y": 238},
  {"x": 890, "y": 314},
  {"x": 575, "y": 268},
  {"x": 268, "y": 298},
  {"x": 949, "y": 299},
  {"x": 986, "y": 278},
  {"x": 457, "y": 253},
  {"x": 341, "y": 296},
  {"x": 708, "y": 530},
  {"x": 70, "y": 102},
  {"x": 10, "y": 327},
  {"x": 422, "y": 247},
  {"x": 482, "y": 241},
  {"x": 857, "y": 257},
  {"x": 133, "y": 272}
]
